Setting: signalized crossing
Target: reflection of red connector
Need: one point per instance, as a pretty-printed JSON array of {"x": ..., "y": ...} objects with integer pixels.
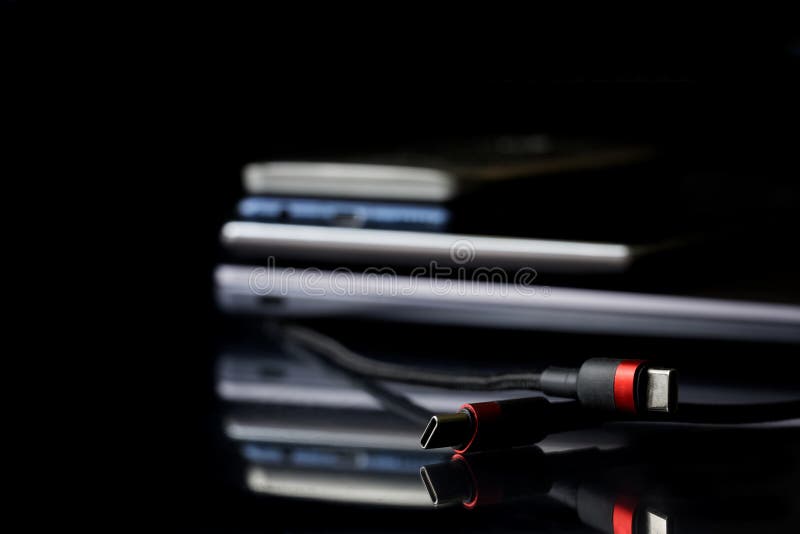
[
  {"x": 485, "y": 479},
  {"x": 477, "y": 480},
  {"x": 623, "y": 515},
  {"x": 480, "y": 496},
  {"x": 607, "y": 510}
]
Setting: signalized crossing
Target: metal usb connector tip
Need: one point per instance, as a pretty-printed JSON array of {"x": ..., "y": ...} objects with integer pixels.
[
  {"x": 447, "y": 483},
  {"x": 446, "y": 431},
  {"x": 662, "y": 390}
]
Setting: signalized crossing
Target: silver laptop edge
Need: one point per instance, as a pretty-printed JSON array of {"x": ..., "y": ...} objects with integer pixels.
[
  {"x": 286, "y": 292},
  {"x": 422, "y": 248}
]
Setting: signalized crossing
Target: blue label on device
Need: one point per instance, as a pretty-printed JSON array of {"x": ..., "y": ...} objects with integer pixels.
[{"x": 345, "y": 213}]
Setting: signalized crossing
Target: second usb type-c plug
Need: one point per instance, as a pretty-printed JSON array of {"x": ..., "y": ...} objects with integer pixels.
[
  {"x": 602, "y": 386},
  {"x": 500, "y": 424}
]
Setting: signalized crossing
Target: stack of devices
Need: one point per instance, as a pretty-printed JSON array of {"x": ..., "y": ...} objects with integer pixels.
[
  {"x": 387, "y": 242},
  {"x": 437, "y": 241}
]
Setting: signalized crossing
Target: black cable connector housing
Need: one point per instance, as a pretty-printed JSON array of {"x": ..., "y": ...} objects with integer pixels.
[{"x": 502, "y": 424}]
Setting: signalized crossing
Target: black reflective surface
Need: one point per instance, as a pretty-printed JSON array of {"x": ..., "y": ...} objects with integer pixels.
[
  {"x": 306, "y": 448},
  {"x": 222, "y": 430},
  {"x": 223, "y": 455}
]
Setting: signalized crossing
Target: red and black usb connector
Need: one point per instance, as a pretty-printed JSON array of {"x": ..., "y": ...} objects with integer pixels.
[
  {"x": 615, "y": 385},
  {"x": 602, "y": 389},
  {"x": 601, "y": 386}
]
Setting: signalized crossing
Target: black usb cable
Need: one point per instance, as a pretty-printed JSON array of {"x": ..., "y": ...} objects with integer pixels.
[{"x": 603, "y": 389}]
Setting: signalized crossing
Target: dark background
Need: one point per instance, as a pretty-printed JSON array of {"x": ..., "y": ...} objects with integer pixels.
[
  {"x": 723, "y": 103},
  {"x": 150, "y": 139},
  {"x": 741, "y": 115}
]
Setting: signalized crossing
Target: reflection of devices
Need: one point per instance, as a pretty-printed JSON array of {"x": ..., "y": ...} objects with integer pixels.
[
  {"x": 275, "y": 378},
  {"x": 321, "y": 427},
  {"x": 352, "y": 475},
  {"x": 387, "y": 489},
  {"x": 288, "y": 292},
  {"x": 395, "y": 247},
  {"x": 338, "y": 459},
  {"x": 344, "y": 213}
]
